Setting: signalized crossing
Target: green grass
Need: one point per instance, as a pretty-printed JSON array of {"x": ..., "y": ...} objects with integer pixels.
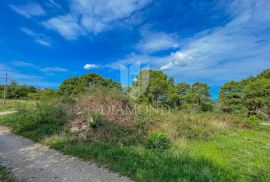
[
  {"x": 228, "y": 154},
  {"x": 244, "y": 152},
  {"x": 5, "y": 176},
  {"x": 146, "y": 165},
  {"x": 12, "y": 105}
]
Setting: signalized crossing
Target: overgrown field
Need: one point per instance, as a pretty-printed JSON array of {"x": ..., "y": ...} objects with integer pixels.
[
  {"x": 148, "y": 143},
  {"x": 12, "y": 105}
]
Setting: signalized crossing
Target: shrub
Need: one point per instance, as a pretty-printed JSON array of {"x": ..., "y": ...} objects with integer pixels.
[
  {"x": 159, "y": 141},
  {"x": 53, "y": 113},
  {"x": 195, "y": 129},
  {"x": 96, "y": 120},
  {"x": 253, "y": 120},
  {"x": 47, "y": 118}
]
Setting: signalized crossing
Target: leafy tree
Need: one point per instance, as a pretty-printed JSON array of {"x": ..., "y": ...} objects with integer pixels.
[
  {"x": 257, "y": 96},
  {"x": 16, "y": 91},
  {"x": 198, "y": 97},
  {"x": 178, "y": 94},
  {"x": 70, "y": 86},
  {"x": 153, "y": 86},
  {"x": 231, "y": 97},
  {"x": 78, "y": 85},
  {"x": 250, "y": 96}
]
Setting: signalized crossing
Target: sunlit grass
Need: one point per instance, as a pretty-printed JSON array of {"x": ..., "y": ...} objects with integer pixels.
[{"x": 12, "y": 105}]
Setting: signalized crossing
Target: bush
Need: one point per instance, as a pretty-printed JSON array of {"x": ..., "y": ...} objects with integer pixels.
[
  {"x": 195, "y": 127},
  {"x": 253, "y": 120},
  {"x": 158, "y": 141},
  {"x": 45, "y": 120},
  {"x": 96, "y": 120}
]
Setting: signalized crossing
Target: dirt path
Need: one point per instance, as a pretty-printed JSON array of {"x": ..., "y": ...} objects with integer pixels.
[{"x": 33, "y": 162}]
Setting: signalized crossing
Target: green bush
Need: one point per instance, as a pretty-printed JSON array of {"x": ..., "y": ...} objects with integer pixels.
[
  {"x": 159, "y": 141},
  {"x": 53, "y": 113},
  {"x": 253, "y": 120},
  {"x": 96, "y": 120},
  {"x": 47, "y": 119}
]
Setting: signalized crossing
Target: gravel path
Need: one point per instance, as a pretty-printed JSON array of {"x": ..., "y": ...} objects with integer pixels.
[{"x": 33, "y": 162}]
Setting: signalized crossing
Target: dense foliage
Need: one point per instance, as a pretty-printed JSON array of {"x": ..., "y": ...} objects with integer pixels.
[
  {"x": 155, "y": 87},
  {"x": 250, "y": 96},
  {"x": 79, "y": 85},
  {"x": 15, "y": 91}
]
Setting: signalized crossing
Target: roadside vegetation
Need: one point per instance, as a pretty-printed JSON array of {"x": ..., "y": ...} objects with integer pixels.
[
  {"x": 168, "y": 132},
  {"x": 5, "y": 176}
]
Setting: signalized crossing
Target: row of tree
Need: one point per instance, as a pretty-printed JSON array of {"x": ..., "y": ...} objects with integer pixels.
[
  {"x": 16, "y": 91},
  {"x": 250, "y": 96},
  {"x": 157, "y": 88}
]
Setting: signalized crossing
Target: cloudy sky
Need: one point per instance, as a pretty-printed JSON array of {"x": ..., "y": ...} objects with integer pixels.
[{"x": 44, "y": 42}]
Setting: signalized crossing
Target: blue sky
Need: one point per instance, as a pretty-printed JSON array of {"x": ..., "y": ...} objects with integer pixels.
[{"x": 44, "y": 42}]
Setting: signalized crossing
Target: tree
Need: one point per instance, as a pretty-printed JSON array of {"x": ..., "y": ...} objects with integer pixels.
[
  {"x": 231, "y": 97},
  {"x": 177, "y": 94},
  {"x": 78, "y": 85},
  {"x": 250, "y": 96},
  {"x": 70, "y": 86},
  {"x": 257, "y": 96},
  {"x": 16, "y": 91},
  {"x": 153, "y": 86},
  {"x": 198, "y": 97}
]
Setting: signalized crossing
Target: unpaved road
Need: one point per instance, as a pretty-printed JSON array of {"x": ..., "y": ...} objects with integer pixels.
[{"x": 36, "y": 163}]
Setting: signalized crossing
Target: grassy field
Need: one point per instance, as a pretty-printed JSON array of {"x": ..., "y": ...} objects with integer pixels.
[
  {"x": 12, "y": 105},
  {"x": 5, "y": 176},
  {"x": 203, "y": 146}
]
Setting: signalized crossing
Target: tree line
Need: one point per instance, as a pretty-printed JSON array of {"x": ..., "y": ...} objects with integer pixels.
[
  {"x": 16, "y": 91},
  {"x": 250, "y": 96}
]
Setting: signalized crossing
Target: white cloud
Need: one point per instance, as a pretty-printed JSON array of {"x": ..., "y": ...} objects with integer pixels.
[
  {"x": 29, "y": 10},
  {"x": 39, "y": 38},
  {"x": 234, "y": 51},
  {"x": 178, "y": 59},
  {"x": 90, "y": 66},
  {"x": 67, "y": 26},
  {"x": 54, "y": 69},
  {"x": 93, "y": 16},
  {"x": 23, "y": 64},
  {"x": 166, "y": 66},
  {"x": 42, "y": 69},
  {"x": 52, "y": 3},
  {"x": 157, "y": 41}
]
